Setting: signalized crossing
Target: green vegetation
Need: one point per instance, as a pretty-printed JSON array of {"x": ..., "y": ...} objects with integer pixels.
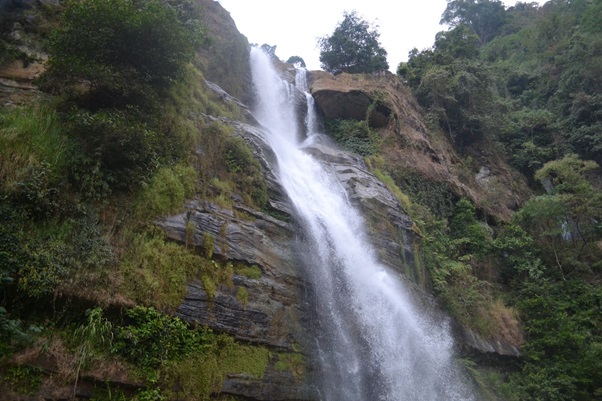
[
  {"x": 252, "y": 272},
  {"x": 221, "y": 355},
  {"x": 291, "y": 362},
  {"x": 154, "y": 347},
  {"x": 354, "y": 136},
  {"x": 353, "y": 47},
  {"x": 485, "y": 18},
  {"x": 527, "y": 78},
  {"x": 242, "y": 173},
  {"x": 167, "y": 191},
  {"x": 156, "y": 271},
  {"x": 169, "y": 350},
  {"x": 113, "y": 84},
  {"x": 122, "y": 137},
  {"x": 296, "y": 60},
  {"x": 24, "y": 380},
  {"x": 125, "y": 51},
  {"x": 119, "y": 140},
  {"x": 32, "y": 141}
]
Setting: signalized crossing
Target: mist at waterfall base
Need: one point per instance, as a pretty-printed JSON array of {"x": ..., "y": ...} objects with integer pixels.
[{"x": 372, "y": 342}]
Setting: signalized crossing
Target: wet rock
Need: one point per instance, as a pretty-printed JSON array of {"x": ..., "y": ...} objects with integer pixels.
[
  {"x": 488, "y": 348},
  {"x": 389, "y": 227}
]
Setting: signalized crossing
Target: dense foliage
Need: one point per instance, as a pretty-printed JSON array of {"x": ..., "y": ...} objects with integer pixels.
[
  {"x": 533, "y": 83},
  {"x": 527, "y": 78},
  {"x": 353, "y": 47},
  {"x": 123, "y": 51},
  {"x": 114, "y": 142},
  {"x": 114, "y": 61},
  {"x": 484, "y": 17}
]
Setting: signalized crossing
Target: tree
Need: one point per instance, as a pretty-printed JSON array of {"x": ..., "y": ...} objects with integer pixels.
[
  {"x": 296, "y": 60},
  {"x": 566, "y": 221},
  {"x": 353, "y": 47},
  {"x": 123, "y": 50},
  {"x": 454, "y": 86},
  {"x": 461, "y": 96},
  {"x": 459, "y": 42},
  {"x": 484, "y": 17}
]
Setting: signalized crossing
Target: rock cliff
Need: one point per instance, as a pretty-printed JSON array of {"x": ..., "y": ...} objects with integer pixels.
[
  {"x": 278, "y": 311},
  {"x": 410, "y": 149},
  {"x": 274, "y": 313}
]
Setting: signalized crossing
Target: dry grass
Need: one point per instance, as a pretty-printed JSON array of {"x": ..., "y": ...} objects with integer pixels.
[{"x": 507, "y": 323}]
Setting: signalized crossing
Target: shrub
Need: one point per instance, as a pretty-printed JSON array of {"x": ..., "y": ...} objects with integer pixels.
[
  {"x": 126, "y": 148},
  {"x": 123, "y": 50},
  {"x": 151, "y": 338},
  {"x": 353, "y": 136},
  {"x": 167, "y": 191},
  {"x": 48, "y": 263}
]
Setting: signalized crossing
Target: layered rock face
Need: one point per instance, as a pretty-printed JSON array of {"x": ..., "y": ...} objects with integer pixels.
[
  {"x": 17, "y": 77},
  {"x": 274, "y": 313},
  {"x": 278, "y": 313}
]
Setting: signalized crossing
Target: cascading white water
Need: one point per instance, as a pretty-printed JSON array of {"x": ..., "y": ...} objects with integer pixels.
[{"x": 373, "y": 344}]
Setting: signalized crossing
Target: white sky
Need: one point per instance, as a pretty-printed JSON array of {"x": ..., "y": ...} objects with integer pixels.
[{"x": 295, "y": 26}]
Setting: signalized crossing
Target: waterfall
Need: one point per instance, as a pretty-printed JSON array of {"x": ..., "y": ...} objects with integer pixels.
[{"x": 373, "y": 343}]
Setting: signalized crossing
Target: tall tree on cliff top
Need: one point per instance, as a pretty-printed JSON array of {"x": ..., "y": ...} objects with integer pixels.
[
  {"x": 353, "y": 47},
  {"x": 484, "y": 17}
]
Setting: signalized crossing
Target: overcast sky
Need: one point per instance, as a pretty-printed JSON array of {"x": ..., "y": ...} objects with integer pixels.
[{"x": 295, "y": 26}]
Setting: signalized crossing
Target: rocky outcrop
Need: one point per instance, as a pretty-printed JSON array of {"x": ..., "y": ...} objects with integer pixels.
[
  {"x": 17, "y": 82},
  {"x": 413, "y": 152},
  {"x": 339, "y": 100},
  {"x": 488, "y": 347},
  {"x": 390, "y": 228},
  {"x": 224, "y": 59},
  {"x": 26, "y": 61}
]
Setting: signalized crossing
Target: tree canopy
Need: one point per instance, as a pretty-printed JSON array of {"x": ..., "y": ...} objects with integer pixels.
[
  {"x": 124, "y": 50},
  {"x": 296, "y": 60},
  {"x": 484, "y": 17},
  {"x": 527, "y": 79},
  {"x": 353, "y": 47}
]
